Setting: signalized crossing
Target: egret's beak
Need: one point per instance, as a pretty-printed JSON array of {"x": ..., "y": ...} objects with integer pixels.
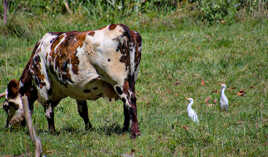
[{"x": 221, "y": 84}]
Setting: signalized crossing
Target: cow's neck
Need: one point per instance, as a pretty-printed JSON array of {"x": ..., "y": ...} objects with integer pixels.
[
  {"x": 26, "y": 84},
  {"x": 27, "y": 88}
]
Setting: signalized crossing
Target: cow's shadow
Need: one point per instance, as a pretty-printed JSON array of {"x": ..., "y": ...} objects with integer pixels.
[
  {"x": 106, "y": 130},
  {"x": 110, "y": 129}
]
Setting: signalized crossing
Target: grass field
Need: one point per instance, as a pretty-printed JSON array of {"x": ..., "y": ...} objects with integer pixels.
[{"x": 181, "y": 58}]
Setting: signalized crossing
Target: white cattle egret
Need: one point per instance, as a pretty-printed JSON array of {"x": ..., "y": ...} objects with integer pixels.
[
  {"x": 191, "y": 113},
  {"x": 223, "y": 100}
]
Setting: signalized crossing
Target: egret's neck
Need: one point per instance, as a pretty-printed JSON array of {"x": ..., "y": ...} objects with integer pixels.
[
  {"x": 190, "y": 104},
  {"x": 222, "y": 90}
]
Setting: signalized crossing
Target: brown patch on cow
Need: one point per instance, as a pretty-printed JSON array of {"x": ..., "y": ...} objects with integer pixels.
[
  {"x": 66, "y": 53},
  {"x": 55, "y": 43},
  {"x": 126, "y": 87},
  {"x": 13, "y": 88},
  {"x": 124, "y": 47},
  {"x": 56, "y": 33},
  {"x": 112, "y": 27},
  {"x": 38, "y": 76},
  {"x": 92, "y": 33}
]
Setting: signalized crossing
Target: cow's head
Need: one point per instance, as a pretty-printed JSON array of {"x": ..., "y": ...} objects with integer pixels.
[{"x": 13, "y": 104}]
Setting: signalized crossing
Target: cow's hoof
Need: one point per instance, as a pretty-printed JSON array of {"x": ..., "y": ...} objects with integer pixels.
[
  {"x": 125, "y": 129},
  {"x": 134, "y": 135},
  {"x": 53, "y": 132},
  {"x": 88, "y": 127}
]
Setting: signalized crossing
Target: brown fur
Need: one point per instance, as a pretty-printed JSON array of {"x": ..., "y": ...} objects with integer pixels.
[
  {"x": 13, "y": 88},
  {"x": 66, "y": 52},
  {"x": 112, "y": 27},
  {"x": 91, "y": 33}
]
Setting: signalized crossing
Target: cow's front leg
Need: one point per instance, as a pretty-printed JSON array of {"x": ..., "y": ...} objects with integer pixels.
[
  {"x": 127, "y": 95},
  {"x": 83, "y": 112},
  {"x": 49, "y": 110}
]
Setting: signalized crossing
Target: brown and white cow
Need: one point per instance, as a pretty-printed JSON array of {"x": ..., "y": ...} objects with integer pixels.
[{"x": 81, "y": 65}]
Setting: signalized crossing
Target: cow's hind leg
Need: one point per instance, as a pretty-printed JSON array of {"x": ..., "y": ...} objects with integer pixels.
[
  {"x": 127, "y": 118},
  {"x": 128, "y": 97},
  {"x": 83, "y": 112}
]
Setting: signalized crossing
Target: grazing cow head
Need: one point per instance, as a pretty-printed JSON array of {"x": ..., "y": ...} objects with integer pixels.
[{"x": 13, "y": 104}]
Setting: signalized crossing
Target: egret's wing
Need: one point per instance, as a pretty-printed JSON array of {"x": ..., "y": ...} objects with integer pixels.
[
  {"x": 195, "y": 118},
  {"x": 192, "y": 114}
]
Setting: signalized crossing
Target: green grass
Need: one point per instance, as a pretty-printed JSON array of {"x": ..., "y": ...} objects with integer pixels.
[{"x": 178, "y": 53}]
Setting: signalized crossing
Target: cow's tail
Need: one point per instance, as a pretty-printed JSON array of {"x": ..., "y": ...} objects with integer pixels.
[
  {"x": 137, "y": 56},
  {"x": 134, "y": 47}
]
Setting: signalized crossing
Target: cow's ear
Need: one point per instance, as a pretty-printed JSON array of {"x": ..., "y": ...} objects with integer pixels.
[{"x": 12, "y": 89}]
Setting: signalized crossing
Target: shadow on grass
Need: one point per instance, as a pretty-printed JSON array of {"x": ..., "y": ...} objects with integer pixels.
[
  {"x": 71, "y": 130},
  {"x": 107, "y": 130},
  {"x": 61, "y": 131},
  {"x": 13, "y": 129},
  {"x": 44, "y": 131}
]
